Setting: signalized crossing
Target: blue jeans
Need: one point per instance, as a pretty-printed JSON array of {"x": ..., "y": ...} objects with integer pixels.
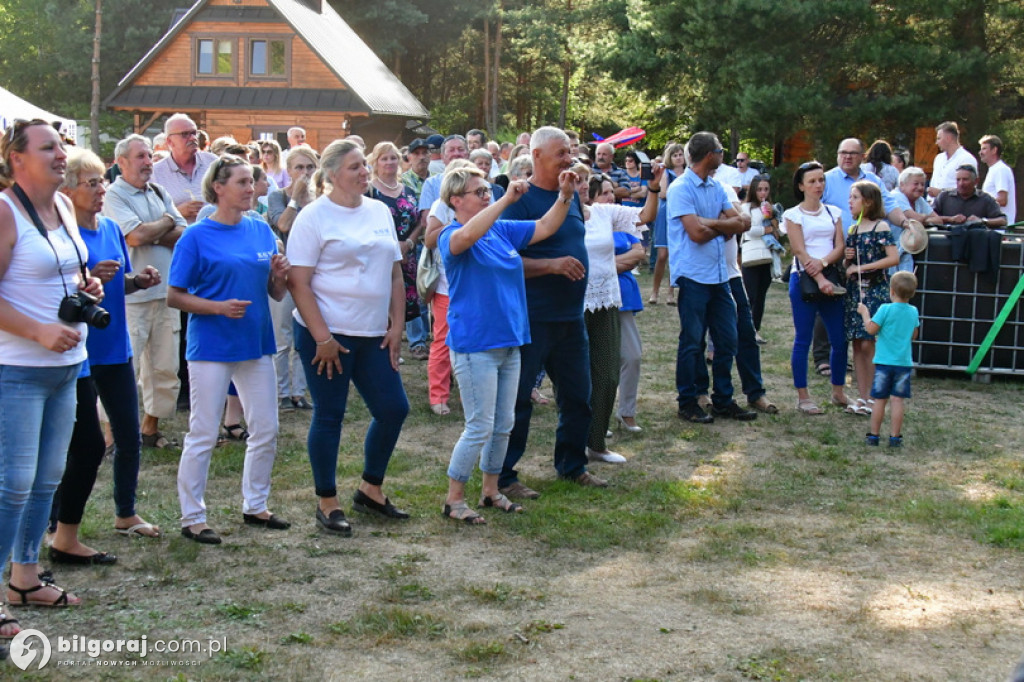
[
  {"x": 831, "y": 311},
  {"x": 748, "y": 353},
  {"x": 37, "y": 414},
  {"x": 417, "y": 328},
  {"x": 368, "y": 366},
  {"x": 560, "y": 348},
  {"x": 488, "y": 384},
  {"x": 703, "y": 308}
]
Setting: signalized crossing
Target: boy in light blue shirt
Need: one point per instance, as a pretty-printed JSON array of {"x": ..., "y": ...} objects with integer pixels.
[{"x": 895, "y": 326}]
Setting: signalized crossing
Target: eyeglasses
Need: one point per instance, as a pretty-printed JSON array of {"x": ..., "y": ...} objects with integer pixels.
[
  {"x": 718, "y": 151},
  {"x": 185, "y": 133},
  {"x": 742, "y": 160},
  {"x": 844, "y": 152},
  {"x": 480, "y": 192},
  {"x": 92, "y": 183}
]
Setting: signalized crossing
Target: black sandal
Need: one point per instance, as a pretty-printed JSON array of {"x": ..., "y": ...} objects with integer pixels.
[
  {"x": 59, "y": 602},
  {"x": 4, "y": 620},
  {"x": 236, "y": 432}
]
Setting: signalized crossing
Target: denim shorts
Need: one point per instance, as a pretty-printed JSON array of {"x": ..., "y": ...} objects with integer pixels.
[{"x": 891, "y": 380}]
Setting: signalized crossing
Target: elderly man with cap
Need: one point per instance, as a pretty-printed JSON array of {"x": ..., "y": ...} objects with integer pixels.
[
  {"x": 418, "y": 154},
  {"x": 437, "y": 164}
]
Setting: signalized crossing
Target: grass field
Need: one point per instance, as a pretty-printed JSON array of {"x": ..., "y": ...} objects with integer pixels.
[{"x": 782, "y": 549}]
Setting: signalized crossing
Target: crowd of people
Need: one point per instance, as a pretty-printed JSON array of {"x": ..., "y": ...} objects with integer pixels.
[{"x": 232, "y": 281}]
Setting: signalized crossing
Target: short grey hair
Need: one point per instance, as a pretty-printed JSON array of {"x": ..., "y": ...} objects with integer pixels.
[
  {"x": 909, "y": 173},
  {"x": 178, "y": 117},
  {"x": 121, "y": 150},
  {"x": 541, "y": 136},
  {"x": 519, "y": 167},
  {"x": 480, "y": 153}
]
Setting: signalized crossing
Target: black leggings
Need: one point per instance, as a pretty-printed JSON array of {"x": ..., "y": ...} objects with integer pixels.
[
  {"x": 756, "y": 280},
  {"x": 85, "y": 454}
]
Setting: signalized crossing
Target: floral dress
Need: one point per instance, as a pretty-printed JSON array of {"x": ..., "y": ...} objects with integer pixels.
[
  {"x": 871, "y": 247},
  {"x": 406, "y": 215}
]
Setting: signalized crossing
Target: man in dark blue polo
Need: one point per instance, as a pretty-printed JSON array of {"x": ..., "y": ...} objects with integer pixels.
[
  {"x": 700, "y": 221},
  {"x": 556, "y": 281}
]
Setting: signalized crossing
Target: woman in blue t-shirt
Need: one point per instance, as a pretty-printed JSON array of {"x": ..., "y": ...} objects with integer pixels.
[
  {"x": 487, "y": 323},
  {"x": 109, "y": 374},
  {"x": 221, "y": 273}
]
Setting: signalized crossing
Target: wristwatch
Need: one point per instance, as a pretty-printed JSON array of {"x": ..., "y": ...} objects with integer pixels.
[{"x": 293, "y": 204}]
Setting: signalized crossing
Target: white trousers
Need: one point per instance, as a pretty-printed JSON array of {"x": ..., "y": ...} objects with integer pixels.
[{"x": 208, "y": 383}]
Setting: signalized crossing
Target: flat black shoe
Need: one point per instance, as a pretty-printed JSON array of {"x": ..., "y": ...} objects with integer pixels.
[
  {"x": 361, "y": 502},
  {"x": 207, "y": 536},
  {"x": 99, "y": 558},
  {"x": 734, "y": 411},
  {"x": 334, "y": 522},
  {"x": 272, "y": 522},
  {"x": 692, "y": 412}
]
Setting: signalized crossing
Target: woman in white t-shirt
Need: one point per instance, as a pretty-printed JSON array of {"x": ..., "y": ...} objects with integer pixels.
[
  {"x": 346, "y": 280},
  {"x": 42, "y": 260},
  {"x": 816, "y": 238},
  {"x": 602, "y": 299}
]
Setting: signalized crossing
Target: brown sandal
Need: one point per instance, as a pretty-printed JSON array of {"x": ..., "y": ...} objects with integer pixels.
[
  {"x": 501, "y": 502},
  {"x": 460, "y": 511}
]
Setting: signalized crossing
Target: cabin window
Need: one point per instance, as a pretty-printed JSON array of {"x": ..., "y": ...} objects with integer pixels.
[
  {"x": 268, "y": 58},
  {"x": 215, "y": 57}
]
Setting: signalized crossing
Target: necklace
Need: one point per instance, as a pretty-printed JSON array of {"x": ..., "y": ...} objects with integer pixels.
[
  {"x": 821, "y": 207},
  {"x": 393, "y": 188}
]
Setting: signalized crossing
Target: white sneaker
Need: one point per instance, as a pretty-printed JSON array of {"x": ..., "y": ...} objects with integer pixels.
[{"x": 607, "y": 456}]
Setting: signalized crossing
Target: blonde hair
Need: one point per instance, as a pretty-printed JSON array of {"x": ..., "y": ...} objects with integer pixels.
[
  {"x": 456, "y": 179},
  {"x": 276, "y": 148},
  {"x": 220, "y": 172},
  {"x": 79, "y": 161},
  {"x": 303, "y": 151},
  {"x": 903, "y": 284},
  {"x": 379, "y": 150},
  {"x": 330, "y": 162}
]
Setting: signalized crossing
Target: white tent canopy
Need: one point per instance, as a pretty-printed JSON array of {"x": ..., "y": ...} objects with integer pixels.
[{"x": 12, "y": 107}]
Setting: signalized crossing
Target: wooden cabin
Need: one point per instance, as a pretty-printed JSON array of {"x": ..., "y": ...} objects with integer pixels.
[{"x": 254, "y": 68}]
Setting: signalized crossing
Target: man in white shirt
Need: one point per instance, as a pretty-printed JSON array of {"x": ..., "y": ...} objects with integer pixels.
[
  {"x": 999, "y": 182},
  {"x": 744, "y": 170},
  {"x": 950, "y": 157}
]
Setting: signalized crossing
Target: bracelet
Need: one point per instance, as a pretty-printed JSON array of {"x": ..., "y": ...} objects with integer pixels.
[
  {"x": 293, "y": 204},
  {"x": 653, "y": 190},
  {"x": 325, "y": 341},
  {"x": 566, "y": 200}
]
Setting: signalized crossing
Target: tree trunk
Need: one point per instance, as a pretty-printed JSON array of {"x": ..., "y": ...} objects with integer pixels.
[
  {"x": 94, "y": 108},
  {"x": 564, "y": 104},
  {"x": 487, "y": 76},
  {"x": 495, "y": 79}
]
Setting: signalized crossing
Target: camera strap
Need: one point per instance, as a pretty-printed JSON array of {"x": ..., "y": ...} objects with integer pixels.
[{"x": 45, "y": 234}]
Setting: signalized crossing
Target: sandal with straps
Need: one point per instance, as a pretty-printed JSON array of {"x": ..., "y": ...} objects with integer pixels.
[
  {"x": 4, "y": 621},
  {"x": 236, "y": 432},
  {"x": 460, "y": 511},
  {"x": 60, "y": 602},
  {"x": 501, "y": 502}
]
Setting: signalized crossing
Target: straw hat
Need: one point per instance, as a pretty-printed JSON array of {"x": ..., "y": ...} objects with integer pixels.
[{"x": 914, "y": 239}]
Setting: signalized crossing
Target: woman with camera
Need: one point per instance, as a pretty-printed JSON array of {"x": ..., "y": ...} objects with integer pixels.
[
  {"x": 41, "y": 353},
  {"x": 112, "y": 377},
  {"x": 224, "y": 271}
]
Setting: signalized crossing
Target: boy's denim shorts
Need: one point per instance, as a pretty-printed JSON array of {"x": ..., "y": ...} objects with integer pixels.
[{"x": 891, "y": 380}]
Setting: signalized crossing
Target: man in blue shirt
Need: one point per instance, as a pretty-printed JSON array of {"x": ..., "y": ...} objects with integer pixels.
[
  {"x": 556, "y": 281},
  {"x": 700, "y": 220}
]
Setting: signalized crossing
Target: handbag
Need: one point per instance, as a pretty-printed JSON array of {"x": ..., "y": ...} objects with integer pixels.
[
  {"x": 809, "y": 290},
  {"x": 428, "y": 274}
]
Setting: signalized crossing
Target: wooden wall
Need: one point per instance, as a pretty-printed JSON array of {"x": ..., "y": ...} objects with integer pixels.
[{"x": 174, "y": 65}]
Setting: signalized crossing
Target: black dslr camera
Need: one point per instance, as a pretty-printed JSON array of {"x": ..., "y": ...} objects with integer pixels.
[{"x": 82, "y": 307}]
